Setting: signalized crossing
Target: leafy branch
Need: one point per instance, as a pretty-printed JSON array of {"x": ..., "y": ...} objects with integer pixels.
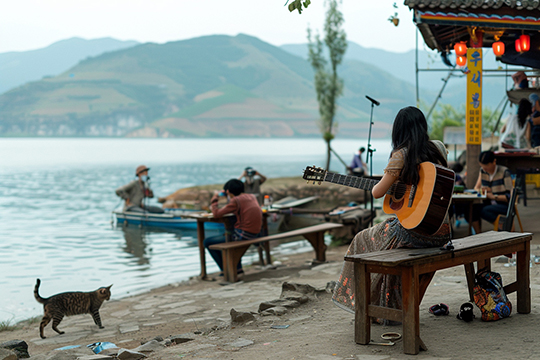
[{"x": 297, "y": 5}]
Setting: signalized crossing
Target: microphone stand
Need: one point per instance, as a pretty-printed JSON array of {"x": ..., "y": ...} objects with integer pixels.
[{"x": 369, "y": 157}]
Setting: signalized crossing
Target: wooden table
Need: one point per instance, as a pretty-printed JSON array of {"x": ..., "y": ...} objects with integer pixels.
[
  {"x": 469, "y": 199},
  {"x": 229, "y": 229},
  {"x": 520, "y": 164},
  {"x": 418, "y": 266}
]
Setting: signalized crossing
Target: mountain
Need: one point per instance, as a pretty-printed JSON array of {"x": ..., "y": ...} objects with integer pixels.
[
  {"x": 402, "y": 66},
  {"x": 208, "y": 86},
  {"x": 18, "y": 68}
]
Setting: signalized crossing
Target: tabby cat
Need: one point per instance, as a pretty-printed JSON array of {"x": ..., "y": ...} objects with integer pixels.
[{"x": 71, "y": 303}]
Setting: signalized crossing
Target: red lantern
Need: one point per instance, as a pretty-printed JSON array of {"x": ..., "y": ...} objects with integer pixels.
[
  {"x": 461, "y": 60},
  {"x": 525, "y": 41},
  {"x": 498, "y": 48},
  {"x": 460, "y": 48},
  {"x": 518, "y": 46}
]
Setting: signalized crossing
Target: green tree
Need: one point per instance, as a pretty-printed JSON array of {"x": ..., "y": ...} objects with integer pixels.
[
  {"x": 327, "y": 83},
  {"x": 447, "y": 115}
]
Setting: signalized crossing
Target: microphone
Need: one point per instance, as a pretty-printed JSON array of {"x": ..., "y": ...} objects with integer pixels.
[{"x": 373, "y": 100}]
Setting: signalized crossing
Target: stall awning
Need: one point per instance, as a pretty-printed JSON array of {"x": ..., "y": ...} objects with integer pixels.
[{"x": 446, "y": 22}]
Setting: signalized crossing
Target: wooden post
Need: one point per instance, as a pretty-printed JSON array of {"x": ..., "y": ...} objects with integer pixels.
[{"x": 473, "y": 115}]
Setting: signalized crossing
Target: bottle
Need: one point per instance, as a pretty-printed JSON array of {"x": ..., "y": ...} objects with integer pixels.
[{"x": 266, "y": 203}]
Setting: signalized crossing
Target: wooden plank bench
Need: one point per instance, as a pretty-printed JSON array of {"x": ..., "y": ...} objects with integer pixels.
[
  {"x": 234, "y": 250},
  {"x": 418, "y": 266}
]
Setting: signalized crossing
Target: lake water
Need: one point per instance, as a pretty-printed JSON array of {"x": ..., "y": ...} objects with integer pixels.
[{"x": 56, "y": 198}]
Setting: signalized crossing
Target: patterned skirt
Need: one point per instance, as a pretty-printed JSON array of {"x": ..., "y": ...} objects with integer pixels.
[{"x": 385, "y": 289}]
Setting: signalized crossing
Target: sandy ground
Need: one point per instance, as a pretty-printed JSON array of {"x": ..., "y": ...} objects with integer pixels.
[{"x": 317, "y": 329}]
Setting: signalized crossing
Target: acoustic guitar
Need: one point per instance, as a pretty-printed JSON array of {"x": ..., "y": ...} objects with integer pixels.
[{"x": 421, "y": 207}]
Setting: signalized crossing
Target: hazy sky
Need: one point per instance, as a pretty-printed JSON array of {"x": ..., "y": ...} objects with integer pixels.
[{"x": 33, "y": 24}]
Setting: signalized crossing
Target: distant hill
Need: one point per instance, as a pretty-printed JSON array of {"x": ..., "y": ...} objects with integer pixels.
[
  {"x": 208, "y": 86},
  {"x": 18, "y": 68},
  {"x": 402, "y": 66}
]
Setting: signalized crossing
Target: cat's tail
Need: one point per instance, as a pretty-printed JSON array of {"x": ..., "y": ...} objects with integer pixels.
[{"x": 36, "y": 293}]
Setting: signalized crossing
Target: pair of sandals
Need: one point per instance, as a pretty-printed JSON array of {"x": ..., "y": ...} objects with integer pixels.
[
  {"x": 465, "y": 311},
  {"x": 439, "y": 309}
]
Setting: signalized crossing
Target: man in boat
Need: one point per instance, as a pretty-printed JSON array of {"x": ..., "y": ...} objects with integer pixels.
[
  {"x": 252, "y": 183},
  {"x": 358, "y": 166},
  {"x": 137, "y": 191},
  {"x": 248, "y": 218}
]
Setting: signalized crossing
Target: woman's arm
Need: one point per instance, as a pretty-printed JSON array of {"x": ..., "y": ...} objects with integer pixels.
[
  {"x": 478, "y": 185},
  {"x": 382, "y": 186}
]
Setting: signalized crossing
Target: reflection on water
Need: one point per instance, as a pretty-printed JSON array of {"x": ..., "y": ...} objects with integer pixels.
[
  {"x": 136, "y": 244},
  {"x": 56, "y": 198}
]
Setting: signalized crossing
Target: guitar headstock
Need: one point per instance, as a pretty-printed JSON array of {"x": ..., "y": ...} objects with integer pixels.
[{"x": 315, "y": 174}]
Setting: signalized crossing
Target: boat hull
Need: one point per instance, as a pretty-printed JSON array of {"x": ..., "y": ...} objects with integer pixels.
[{"x": 165, "y": 220}]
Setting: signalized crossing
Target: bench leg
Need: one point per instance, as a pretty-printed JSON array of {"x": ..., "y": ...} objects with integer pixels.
[
  {"x": 267, "y": 251},
  {"x": 469, "y": 274},
  {"x": 260, "y": 251},
  {"x": 523, "y": 280},
  {"x": 231, "y": 257},
  {"x": 485, "y": 264},
  {"x": 362, "y": 323},
  {"x": 317, "y": 241},
  {"x": 411, "y": 312},
  {"x": 425, "y": 280}
]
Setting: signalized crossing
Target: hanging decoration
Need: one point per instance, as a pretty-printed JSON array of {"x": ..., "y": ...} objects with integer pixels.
[
  {"x": 477, "y": 37},
  {"x": 460, "y": 48},
  {"x": 518, "y": 46},
  {"x": 394, "y": 19},
  {"x": 498, "y": 48},
  {"x": 461, "y": 60},
  {"x": 525, "y": 41}
]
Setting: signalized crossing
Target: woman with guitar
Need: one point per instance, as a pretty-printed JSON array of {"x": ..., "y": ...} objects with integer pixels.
[{"x": 410, "y": 147}]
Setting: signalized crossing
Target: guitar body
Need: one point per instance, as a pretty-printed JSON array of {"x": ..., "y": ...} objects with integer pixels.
[{"x": 427, "y": 209}]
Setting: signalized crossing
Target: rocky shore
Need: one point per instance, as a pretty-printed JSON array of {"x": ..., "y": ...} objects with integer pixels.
[{"x": 329, "y": 194}]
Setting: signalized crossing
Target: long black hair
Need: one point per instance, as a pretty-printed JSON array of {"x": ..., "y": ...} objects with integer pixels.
[
  {"x": 410, "y": 132},
  {"x": 524, "y": 110}
]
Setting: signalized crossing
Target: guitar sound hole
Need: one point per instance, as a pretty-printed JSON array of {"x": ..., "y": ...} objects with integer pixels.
[{"x": 399, "y": 193}]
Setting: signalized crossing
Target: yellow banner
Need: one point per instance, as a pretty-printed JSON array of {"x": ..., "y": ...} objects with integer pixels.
[{"x": 473, "y": 127}]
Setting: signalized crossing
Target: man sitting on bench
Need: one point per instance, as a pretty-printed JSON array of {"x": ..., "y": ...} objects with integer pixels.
[{"x": 248, "y": 218}]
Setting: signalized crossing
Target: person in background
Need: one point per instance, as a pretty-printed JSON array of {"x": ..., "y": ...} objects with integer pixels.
[
  {"x": 458, "y": 168},
  {"x": 496, "y": 182},
  {"x": 516, "y": 133},
  {"x": 136, "y": 191},
  {"x": 410, "y": 146},
  {"x": 358, "y": 166},
  {"x": 252, "y": 183},
  {"x": 520, "y": 80},
  {"x": 535, "y": 120},
  {"x": 248, "y": 218}
]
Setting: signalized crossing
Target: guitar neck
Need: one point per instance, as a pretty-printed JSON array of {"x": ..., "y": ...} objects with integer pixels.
[{"x": 351, "y": 181}]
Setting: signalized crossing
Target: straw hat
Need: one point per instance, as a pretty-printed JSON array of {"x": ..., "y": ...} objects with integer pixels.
[{"x": 141, "y": 168}]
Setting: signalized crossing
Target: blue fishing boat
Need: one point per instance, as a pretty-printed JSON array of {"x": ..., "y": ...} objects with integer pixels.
[{"x": 171, "y": 219}]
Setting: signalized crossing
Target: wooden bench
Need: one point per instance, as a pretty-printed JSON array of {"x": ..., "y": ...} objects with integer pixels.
[
  {"x": 234, "y": 250},
  {"x": 418, "y": 266}
]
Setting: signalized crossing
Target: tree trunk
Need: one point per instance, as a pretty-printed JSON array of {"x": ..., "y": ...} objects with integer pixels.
[{"x": 328, "y": 154}]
